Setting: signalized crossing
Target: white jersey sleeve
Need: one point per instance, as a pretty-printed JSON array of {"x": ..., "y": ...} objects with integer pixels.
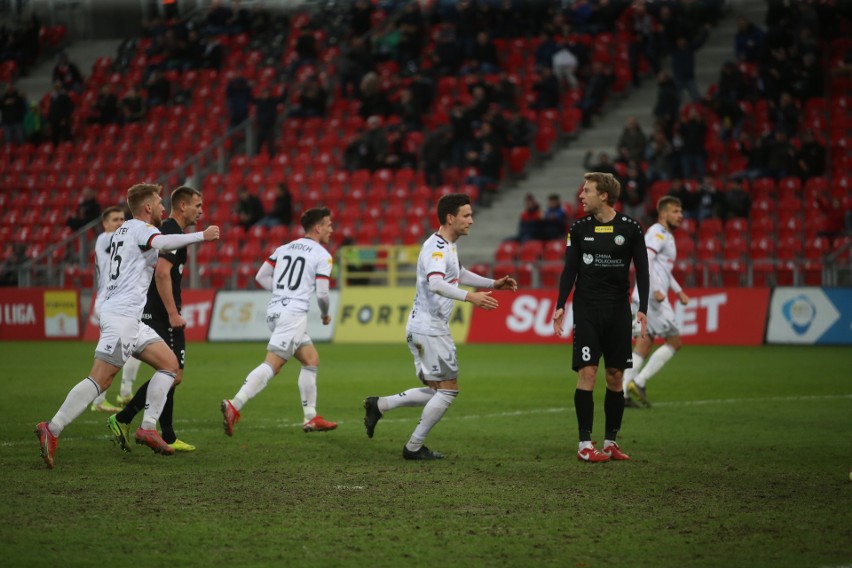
[
  {"x": 131, "y": 267},
  {"x": 430, "y": 314},
  {"x": 296, "y": 268},
  {"x": 102, "y": 245},
  {"x": 661, "y": 246}
]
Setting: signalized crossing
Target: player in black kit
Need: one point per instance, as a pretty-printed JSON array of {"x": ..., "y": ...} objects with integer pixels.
[
  {"x": 162, "y": 313},
  {"x": 598, "y": 254}
]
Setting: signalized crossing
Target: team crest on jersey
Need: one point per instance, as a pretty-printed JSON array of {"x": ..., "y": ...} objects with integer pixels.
[
  {"x": 604, "y": 229},
  {"x": 588, "y": 259},
  {"x": 619, "y": 240}
]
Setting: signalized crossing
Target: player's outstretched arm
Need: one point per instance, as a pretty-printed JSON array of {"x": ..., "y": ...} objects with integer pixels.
[{"x": 506, "y": 283}]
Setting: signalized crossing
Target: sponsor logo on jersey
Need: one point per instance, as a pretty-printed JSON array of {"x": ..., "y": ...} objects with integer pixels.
[
  {"x": 437, "y": 255},
  {"x": 604, "y": 229},
  {"x": 568, "y": 242},
  {"x": 619, "y": 240},
  {"x": 589, "y": 239},
  {"x": 660, "y": 236},
  {"x": 588, "y": 259}
]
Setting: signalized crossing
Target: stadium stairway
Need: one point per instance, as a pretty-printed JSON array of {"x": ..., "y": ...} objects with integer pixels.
[
  {"x": 83, "y": 53},
  {"x": 563, "y": 173}
]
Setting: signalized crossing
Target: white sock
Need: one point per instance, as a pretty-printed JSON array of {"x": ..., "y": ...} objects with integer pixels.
[
  {"x": 75, "y": 404},
  {"x": 255, "y": 382},
  {"x": 411, "y": 397},
  {"x": 630, "y": 374},
  {"x": 158, "y": 388},
  {"x": 432, "y": 413},
  {"x": 660, "y": 357},
  {"x": 308, "y": 390},
  {"x": 100, "y": 398},
  {"x": 128, "y": 375},
  {"x": 608, "y": 443},
  {"x": 583, "y": 445}
]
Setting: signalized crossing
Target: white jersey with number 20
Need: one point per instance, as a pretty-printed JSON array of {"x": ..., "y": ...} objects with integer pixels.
[{"x": 296, "y": 267}]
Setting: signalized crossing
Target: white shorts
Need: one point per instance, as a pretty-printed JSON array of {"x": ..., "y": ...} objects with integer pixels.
[
  {"x": 434, "y": 356},
  {"x": 121, "y": 337},
  {"x": 289, "y": 332},
  {"x": 661, "y": 320}
]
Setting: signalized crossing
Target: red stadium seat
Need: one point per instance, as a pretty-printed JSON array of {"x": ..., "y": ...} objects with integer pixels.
[{"x": 507, "y": 251}]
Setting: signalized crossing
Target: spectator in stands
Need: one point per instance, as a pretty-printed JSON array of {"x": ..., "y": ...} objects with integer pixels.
[
  {"x": 355, "y": 61},
  {"x": 711, "y": 203},
  {"x": 259, "y": 20},
  {"x": 595, "y": 94},
  {"x": 374, "y": 102},
  {"x": 737, "y": 201},
  {"x": 776, "y": 74},
  {"x": 202, "y": 53},
  {"x": 489, "y": 163},
  {"x": 423, "y": 89},
  {"x": 809, "y": 79},
  {"x": 529, "y": 226},
  {"x": 688, "y": 196},
  {"x": 132, "y": 107},
  {"x": 435, "y": 154},
  {"x": 461, "y": 123},
  {"x": 361, "y": 17},
  {"x": 632, "y": 142},
  {"x": 407, "y": 110},
  {"x": 667, "y": 107},
  {"x": 641, "y": 28},
  {"x": 690, "y": 144},
  {"x": 555, "y": 221},
  {"x": 249, "y": 208},
  {"x": 565, "y": 65},
  {"x": 756, "y": 154},
  {"x": 731, "y": 117},
  {"x": 398, "y": 155},
  {"x": 731, "y": 86},
  {"x": 520, "y": 131},
  {"x": 159, "y": 89},
  {"x": 13, "y": 110},
  {"x": 445, "y": 56},
  {"x": 659, "y": 156},
  {"x": 313, "y": 99},
  {"x": 282, "y": 209},
  {"x": 266, "y": 119},
  {"x": 59, "y": 114},
  {"x": 67, "y": 73},
  {"x": 683, "y": 64},
  {"x": 33, "y": 124},
  {"x": 238, "y": 96},
  {"x": 220, "y": 20},
  {"x": 781, "y": 156},
  {"x": 105, "y": 107},
  {"x": 748, "y": 41},
  {"x": 634, "y": 187},
  {"x": 505, "y": 92},
  {"x": 88, "y": 209},
  {"x": 367, "y": 150},
  {"x": 306, "y": 50},
  {"x": 785, "y": 115},
  {"x": 810, "y": 159},
  {"x": 603, "y": 165},
  {"x": 545, "y": 51},
  {"x": 484, "y": 55}
]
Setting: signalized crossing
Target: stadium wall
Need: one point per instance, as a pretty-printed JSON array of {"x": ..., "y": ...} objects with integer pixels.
[{"x": 714, "y": 316}]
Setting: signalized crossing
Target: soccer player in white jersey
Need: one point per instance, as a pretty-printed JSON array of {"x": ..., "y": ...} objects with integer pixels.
[
  {"x": 439, "y": 274},
  {"x": 111, "y": 219},
  {"x": 133, "y": 254},
  {"x": 293, "y": 273},
  {"x": 662, "y": 254}
]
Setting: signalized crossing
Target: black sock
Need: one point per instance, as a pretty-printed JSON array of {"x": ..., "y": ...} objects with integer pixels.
[
  {"x": 614, "y": 411},
  {"x": 167, "y": 428},
  {"x": 584, "y": 404},
  {"x": 135, "y": 406}
]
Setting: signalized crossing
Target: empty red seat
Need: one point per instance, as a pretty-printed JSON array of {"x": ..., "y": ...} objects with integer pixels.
[{"x": 507, "y": 251}]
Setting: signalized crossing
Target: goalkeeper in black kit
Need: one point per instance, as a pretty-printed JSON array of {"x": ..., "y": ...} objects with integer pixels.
[{"x": 600, "y": 248}]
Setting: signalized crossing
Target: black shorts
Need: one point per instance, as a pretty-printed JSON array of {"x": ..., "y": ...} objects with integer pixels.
[
  {"x": 174, "y": 338},
  {"x": 603, "y": 331}
]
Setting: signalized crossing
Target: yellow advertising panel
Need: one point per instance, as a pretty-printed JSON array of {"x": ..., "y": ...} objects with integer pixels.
[
  {"x": 61, "y": 314},
  {"x": 379, "y": 315}
]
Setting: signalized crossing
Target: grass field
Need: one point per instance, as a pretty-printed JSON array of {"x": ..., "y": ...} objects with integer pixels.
[{"x": 743, "y": 461}]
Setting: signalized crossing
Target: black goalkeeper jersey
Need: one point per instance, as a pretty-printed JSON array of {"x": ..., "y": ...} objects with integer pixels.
[
  {"x": 154, "y": 308},
  {"x": 598, "y": 257}
]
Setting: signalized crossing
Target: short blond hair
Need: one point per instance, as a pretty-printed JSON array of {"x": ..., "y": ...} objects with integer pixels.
[
  {"x": 606, "y": 183},
  {"x": 139, "y": 193}
]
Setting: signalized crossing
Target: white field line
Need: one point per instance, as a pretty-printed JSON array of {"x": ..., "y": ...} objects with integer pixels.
[{"x": 283, "y": 423}]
